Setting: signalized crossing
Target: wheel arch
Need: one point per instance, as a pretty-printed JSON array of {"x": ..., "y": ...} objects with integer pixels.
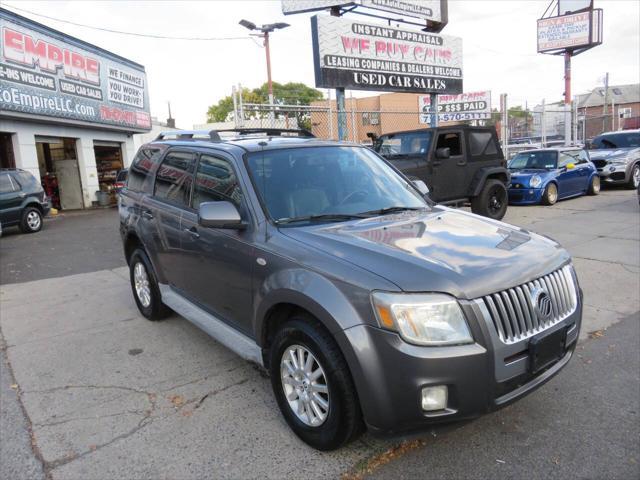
[{"x": 484, "y": 174}]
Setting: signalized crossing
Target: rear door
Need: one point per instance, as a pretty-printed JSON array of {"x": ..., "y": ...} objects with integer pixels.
[
  {"x": 449, "y": 175},
  {"x": 161, "y": 212},
  {"x": 217, "y": 264},
  {"x": 10, "y": 200}
]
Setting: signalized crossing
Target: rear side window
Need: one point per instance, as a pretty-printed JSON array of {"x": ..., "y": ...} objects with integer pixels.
[
  {"x": 174, "y": 178},
  {"x": 482, "y": 143},
  {"x": 5, "y": 183},
  {"x": 215, "y": 182},
  {"x": 141, "y": 167}
]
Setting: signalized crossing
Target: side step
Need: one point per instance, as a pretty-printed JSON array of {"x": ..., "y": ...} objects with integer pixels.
[{"x": 219, "y": 330}]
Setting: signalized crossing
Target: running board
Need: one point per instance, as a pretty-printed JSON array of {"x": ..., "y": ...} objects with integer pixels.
[{"x": 219, "y": 330}]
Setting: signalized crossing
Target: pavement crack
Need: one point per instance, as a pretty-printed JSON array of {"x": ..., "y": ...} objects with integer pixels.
[{"x": 96, "y": 417}]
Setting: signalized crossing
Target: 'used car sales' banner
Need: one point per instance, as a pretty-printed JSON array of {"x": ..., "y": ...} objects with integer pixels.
[
  {"x": 362, "y": 56},
  {"x": 456, "y": 108},
  {"x": 44, "y": 73}
]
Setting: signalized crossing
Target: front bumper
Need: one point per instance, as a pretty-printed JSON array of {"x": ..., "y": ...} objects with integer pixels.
[
  {"x": 613, "y": 173},
  {"x": 525, "y": 196},
  {"x": 481, "y": 377}
]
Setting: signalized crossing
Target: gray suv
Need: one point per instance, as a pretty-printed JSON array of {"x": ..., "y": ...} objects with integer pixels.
[{"x": 369, "y": 306}]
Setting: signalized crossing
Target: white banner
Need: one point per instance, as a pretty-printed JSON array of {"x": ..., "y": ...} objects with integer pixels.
[{"x": 455, "y": 108}]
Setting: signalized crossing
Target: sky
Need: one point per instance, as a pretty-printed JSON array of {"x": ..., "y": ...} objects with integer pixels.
[{"x": 499, "y": 47}]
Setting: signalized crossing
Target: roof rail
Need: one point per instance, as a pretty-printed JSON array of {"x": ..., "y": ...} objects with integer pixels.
[
  {"x": 210, "y": 135},
  {"x": 270, "y": 132}
]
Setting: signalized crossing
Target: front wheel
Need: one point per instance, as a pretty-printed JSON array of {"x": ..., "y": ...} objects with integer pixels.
[
  {"x": 492, "y": 201},
  {"x": 550, "y": 195},
  {"x": 313, "y": 386},
  {"x": 594, "y": 185},
  {"x": 634, "y": 180}
]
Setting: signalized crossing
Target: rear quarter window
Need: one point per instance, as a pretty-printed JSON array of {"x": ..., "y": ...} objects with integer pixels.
[
  {"x": 5, "y": 183},
  {"x": 142, "y": 167},
  {"x": 482, "y": 143}
]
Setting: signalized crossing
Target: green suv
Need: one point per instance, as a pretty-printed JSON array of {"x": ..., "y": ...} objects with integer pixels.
[{"x": 22, "y": 200}]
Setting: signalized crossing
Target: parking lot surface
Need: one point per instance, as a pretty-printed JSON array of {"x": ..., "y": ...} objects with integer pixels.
[{"x": 108, "y": 394}]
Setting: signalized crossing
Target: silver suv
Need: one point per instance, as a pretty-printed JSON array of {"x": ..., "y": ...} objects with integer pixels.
[{"x": 369, "y": 306}]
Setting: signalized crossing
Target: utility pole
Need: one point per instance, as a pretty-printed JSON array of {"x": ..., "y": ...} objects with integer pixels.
[
  {"x": 342, "y": 114},
  {"x": 433, "y": 98},
  {"x": 543, "y": 123},
  {"x": 567, "y": 98},
  {"x": 240, "y": 105},
  {"x": 604, "y": 105},
  {"x": 235, "y": 106},
  {"x": 504, "y": 131}
]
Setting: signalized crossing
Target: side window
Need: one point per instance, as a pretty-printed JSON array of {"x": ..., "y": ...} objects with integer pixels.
[
  {"x": 142, "y": 164},
  {"x": 404, "y": 144},
  {"x": 451, "y": 141},
  {"x": 174, "y": 178},
  {"x": 25, "y": 179},
  {"x": 584, "y": 157},
  {"x": 482, "y": 143},
  {"x": 215, "y": 181},
  {"x": 5, "y": 183},
  {"x": 564, "y": 160}
]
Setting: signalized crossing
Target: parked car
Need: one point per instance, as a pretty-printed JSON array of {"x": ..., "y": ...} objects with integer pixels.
[
  {"x": 369, "y": 306},
  {"x": 552, "y": 174},
  {"x": 617, "y": 157},
  {"x": 458, "y": 164},
  {"x": 22, "y": 200},
  {"x": 121, "y": 180}
]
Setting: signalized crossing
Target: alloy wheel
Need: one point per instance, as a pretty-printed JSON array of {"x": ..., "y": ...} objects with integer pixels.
[
  {"x": 497, "y": 198},
  {"x": 553, "y": 193},
  {"x": 33, "y": 220},
  {"x": 305, "y": 385},
  {"x": 141, "y": 284},
  {"x": 636, "y": 176},
  {"x": 596, "y": 184}
]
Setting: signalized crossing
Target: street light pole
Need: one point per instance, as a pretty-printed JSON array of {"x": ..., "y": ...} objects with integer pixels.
[{"x": 269, "y": 82}]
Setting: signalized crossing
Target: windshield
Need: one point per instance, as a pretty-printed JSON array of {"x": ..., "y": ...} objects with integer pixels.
[
  {"x": 301, "y": 182},
  {"x": 539, "y": 160},
  {"x": 399, "y": 144},
  {"x": 616, "y": 140}
]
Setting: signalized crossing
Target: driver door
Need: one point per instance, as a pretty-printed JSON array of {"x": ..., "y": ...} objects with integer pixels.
[{"x": 449, "y": 180}]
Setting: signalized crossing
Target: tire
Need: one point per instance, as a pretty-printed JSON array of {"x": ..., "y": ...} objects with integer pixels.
[
  {"x": 342, "y": 420},
  {"x": 634, "y": 179},
  {"x": 594, "y": 185},
  {"x": 31, "y": 221},
  {"x": 146, "y": 293},
  {"x": 492, "y": 201},
  {"x": 550, "y": 195}
]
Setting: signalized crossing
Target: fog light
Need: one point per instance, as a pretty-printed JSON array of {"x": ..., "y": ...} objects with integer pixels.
[{"x": 434, "y": 398}]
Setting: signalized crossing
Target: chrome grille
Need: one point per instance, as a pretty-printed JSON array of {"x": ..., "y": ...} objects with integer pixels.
[{"x": 514, "y": 315}]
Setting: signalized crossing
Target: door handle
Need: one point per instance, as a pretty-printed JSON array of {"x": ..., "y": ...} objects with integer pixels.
[
  {"x": 193, "y": 232},
  {"x": 147, "y": 214}
]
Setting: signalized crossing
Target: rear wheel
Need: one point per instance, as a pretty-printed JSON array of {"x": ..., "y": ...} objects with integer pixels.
[
  {"x": 634, "y": 180},
  {"x": 313, "y": 386},
  {"x": 31, "y": 220},
  {"x": 492, "y": 201},
  {"x": 550, "y": 195},
  {"x": 145, "y": 287},
  {"x": 594, "y": 185}
]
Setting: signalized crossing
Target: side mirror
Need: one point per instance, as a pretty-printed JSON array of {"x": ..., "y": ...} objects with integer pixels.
[
  {"x": 443, "y": 153},
  {"x": 421, "y": 187},
  {"x": 570, "y": 166},
  {"x": 219, "y": 215}
]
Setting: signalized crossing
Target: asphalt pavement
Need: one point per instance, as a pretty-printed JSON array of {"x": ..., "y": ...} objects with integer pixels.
[{"x": 92, "y": 390}]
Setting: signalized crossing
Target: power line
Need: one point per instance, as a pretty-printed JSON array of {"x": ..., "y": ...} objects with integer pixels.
[{"x": 121, "y": 32}]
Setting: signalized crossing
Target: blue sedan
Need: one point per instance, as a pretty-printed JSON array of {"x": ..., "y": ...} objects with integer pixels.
[{"x": 548, "y": 175}]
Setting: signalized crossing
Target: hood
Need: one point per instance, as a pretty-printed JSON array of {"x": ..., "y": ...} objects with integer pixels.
[
  {"x": 445, "y": 250},
  {"x": 611, "y": 153}
]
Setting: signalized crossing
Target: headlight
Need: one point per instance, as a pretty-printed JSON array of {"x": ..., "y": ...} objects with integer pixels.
[
  {"x": 424, "y": 319},
  {"x": 535, "y": 181}
]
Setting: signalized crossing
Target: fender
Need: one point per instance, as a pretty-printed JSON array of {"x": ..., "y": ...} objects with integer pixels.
[
  {"x": 481, "y": 176},
  {"x": 313, "y": 292}
]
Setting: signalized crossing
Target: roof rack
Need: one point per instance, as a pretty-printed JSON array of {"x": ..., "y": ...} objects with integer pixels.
[
  {"x": 270, "y": 132},
  {"x": 210, "y": 135},
  {"x": 214, "y": 135}
]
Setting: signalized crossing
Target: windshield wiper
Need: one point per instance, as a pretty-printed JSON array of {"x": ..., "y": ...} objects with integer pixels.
[
  {"x": 321, "y": 217},
  {"x": 384, "y": 211}
]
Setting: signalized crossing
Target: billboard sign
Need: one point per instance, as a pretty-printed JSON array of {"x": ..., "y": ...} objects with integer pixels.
[
  {"x": 455, "y": 108},
  {"x": 432, "y": 10},
  {"x": 570, "y": 32},
  {"x": 45, "y": 73},
  {"x": 363, "y": 56}
]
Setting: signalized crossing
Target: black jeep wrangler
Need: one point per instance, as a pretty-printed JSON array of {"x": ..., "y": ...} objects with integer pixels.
[{"x": 458, "y": 163}]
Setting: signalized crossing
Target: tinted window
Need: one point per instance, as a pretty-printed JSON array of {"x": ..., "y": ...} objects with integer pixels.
[
  {"x": 215, "y": 182},
  {"x": 5, "y": 183},
  {"x": 543, "y": 159},
  {"x": 410, "y": 143},
  {"x": 299, "y": 182},
  {"x": 174, "y": 178},
  {"x": 450, "y": 141},
  {"x": 482, "y": 143},
  {"x": 617, "y": 140},
  {"x": 141, "y": 167}
]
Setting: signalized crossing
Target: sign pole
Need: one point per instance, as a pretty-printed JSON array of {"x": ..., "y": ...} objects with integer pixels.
[
  {"x": 342, "y": 114},
  {"x": 567, "y": 98},
  {"x": 433, "y": 97}
]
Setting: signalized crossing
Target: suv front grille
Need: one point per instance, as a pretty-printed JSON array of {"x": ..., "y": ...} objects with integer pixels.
[{"x": 514, "y": 315}]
